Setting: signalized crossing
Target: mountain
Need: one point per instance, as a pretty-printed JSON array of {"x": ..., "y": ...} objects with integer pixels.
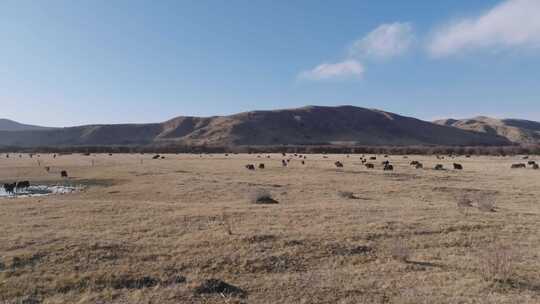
[
  {"x": 301, "y": 126},
  {"x": 10, "y": 125},
  {"x": 515, "y": 130}
]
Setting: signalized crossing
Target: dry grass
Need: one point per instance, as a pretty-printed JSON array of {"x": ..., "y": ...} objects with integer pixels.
[
  {"x": 155, "y": 231},
  {"x": 486, "y": 205},
  {"x": 227, "y": 223},
  {"x": 498, "y": 263},
  {"x": 399, "y": 250}
]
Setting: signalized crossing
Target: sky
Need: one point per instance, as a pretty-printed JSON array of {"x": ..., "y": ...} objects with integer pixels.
[{"x": 75, "y": 62}]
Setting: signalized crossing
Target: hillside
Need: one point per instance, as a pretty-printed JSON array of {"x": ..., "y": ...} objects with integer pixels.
[
  {"x": 307, "y": 125},
  {"x": 515, "y": 130},
  {"x": 10, "y": 125}
]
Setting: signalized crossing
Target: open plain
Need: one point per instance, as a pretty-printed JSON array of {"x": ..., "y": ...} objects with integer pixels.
[{"x": 159, "y": 230}]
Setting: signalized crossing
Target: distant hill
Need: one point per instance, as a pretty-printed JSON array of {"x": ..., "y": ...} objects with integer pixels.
[
  {"x": 515, "y": 130},
  {"x": 10, "y": 125},
  {"x": 301, "y": 126}
]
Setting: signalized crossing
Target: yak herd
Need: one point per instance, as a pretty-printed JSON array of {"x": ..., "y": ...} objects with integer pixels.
[
  {"x": 386, "y": 165},
  {"x": 20, "y": 186},
  {"x": 12, "y": 188},
  {"x": 531, "y": 163},
  {"x": 16, "y": 187},
  {"x": 367, "y": 162}
]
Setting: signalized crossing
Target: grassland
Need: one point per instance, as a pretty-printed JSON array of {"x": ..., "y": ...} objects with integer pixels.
[{"x": 153, "y": 231}]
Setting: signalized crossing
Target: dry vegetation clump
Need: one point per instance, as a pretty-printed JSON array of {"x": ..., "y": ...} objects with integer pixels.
[
  {"x": 498, "y": 263},
  {"x": 464, "y": 202},
  {"x": 347, "y": 194},
  {"x": 399, "y": 250},
  {"x": 215, "y": 286},
  {"x": 28, "y": 300},
  {"x": 227, "y": 223},
  {"x": 260, "y": 238},
  {"x": 486, "y": 204},
  {"x": 262, "y": 196}
]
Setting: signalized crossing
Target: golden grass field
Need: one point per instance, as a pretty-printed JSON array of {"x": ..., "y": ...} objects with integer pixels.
[{"x": 152, "y": 231}]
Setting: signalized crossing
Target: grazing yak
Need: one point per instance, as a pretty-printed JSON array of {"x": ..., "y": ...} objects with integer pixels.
[
  {"x": 261, "y": 166},
  {"x": 370, "y": 166},
  {"x": 439, "y": 167},
  {"x": 388, "y": 167},
  {"x": 338, "y": 164},
  {"x": 22, "y": 185},
  {"x": 373, "y": 158},
  {"x": 414, "y": 163},
  {"x": 531, "y": 162},
  {"x": 283, "y": 163},
  {"x": 64, "y": 174},
  {"x": 458, "y": 166},
  {"x": 419, "y": 165},
  {"x": 250, "y": 167},
  {"x": 10, "y": 188},
  {"x": 158, "y": 156},
  {"x": 518, "y": 166}
]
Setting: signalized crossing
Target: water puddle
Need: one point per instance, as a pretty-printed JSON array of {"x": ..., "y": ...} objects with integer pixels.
[{"x": 40, "y": 190}]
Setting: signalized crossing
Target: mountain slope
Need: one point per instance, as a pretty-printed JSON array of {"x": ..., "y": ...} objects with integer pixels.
[
  {"x": 515, "y": 130},
  {"x": 308, "y": 125},
  {"x": 10, "y": 125}
]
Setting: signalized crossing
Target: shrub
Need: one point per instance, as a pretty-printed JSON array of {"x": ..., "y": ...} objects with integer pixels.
[
  {"x": 217, "y": 286},
  {"x": 347, "y": 194},
  {"x": 262, "y": 196},
  {"x": 498, "y": 263}
]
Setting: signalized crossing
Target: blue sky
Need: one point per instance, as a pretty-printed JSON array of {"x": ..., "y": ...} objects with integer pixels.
[{"x": 79, "y": 62}]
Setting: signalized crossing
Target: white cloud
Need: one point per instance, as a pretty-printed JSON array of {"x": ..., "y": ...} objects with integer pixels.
[
  {"x": 513, "y": 23},
  {"x": 340, "y": 70},
  {"x": 387, "y": 40}
]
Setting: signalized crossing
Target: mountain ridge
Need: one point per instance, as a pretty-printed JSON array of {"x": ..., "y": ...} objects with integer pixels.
[
  {"x": 11, "y": 125},
  {"x": 520, "y": 131},
  {"x": 309, "y": 125}
]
